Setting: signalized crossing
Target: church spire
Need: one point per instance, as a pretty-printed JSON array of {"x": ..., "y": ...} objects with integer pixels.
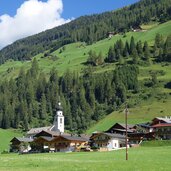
[{"x": 59, "y": 118}]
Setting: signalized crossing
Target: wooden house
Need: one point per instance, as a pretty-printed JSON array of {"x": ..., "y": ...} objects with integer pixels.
[
  {"x": 19, "y": 144},
  {"x": 119, "y": 128},
  {"x": 162, "y": 131},
  {"x": 68, "y": 143},
  {"x": 60, "y": 143}
]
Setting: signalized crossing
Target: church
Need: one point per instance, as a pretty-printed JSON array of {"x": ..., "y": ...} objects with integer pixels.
[{"x": 49, "y": 139}]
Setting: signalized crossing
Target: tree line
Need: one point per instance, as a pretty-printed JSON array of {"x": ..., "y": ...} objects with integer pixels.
[{"x": 30, "y": 99}]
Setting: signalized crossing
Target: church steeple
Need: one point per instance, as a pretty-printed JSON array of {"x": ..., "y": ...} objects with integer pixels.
[{"x": 59, "y": 118}]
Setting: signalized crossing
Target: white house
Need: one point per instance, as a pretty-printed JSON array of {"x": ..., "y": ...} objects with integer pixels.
[{"x": 107, "y": 141}]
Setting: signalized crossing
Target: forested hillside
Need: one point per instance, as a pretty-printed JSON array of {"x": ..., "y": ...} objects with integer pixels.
[
  {"x": 89, "y": 29},
  {"x": 30, "y": 100}
]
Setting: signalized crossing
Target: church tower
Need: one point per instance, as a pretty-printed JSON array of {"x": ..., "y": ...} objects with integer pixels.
[{"x": 59, "y": 119}]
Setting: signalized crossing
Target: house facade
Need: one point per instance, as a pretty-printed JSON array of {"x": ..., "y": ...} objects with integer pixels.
[
  {"x": 162, "y": 131},
  {"x": 107, "y": 141},
  {"x": 19, "y": 144}
]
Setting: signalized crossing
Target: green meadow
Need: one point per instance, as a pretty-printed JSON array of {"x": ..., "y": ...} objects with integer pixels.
[
  {"x": 139, "y": 159},
  {"x": 141, "y": 113},
  {"x": 73, "y": 56},
  {"x": 6, "y": 136}
]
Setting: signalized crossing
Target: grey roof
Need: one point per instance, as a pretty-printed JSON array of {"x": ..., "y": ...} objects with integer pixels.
[
  {"x": 112, "y": 135},
  {"x": 76, "y": 138},
  {"x": 52, "y": 133},
  {"x": 38, "y": 130},
  {"x": 124, "y": 125},
  {"x": 46, "y": 138},
  {"x": 22, "y": 139},
  {"x": 123, "y": 130},
  {"x": 165, "y": 119},
  {"x": 85, "y": 136},
  {"x": 145, "y": 125}
]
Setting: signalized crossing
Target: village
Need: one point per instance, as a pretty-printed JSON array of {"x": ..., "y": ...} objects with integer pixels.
[{"x": 119, "y": 136}]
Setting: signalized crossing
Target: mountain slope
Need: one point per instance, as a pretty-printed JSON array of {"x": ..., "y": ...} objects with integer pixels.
[
  {"x": 75, "y": 54},
  {"x": 141, "y": 113},
  {"x": 89, "y": 29}
]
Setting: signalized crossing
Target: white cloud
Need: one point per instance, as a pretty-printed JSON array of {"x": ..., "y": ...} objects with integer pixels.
[{"x": 32, "y": 17}]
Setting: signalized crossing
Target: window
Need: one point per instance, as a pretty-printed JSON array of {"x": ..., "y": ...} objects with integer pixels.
[{"x": 60, "y": 120}]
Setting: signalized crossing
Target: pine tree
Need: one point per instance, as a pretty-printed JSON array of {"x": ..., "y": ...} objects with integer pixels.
[
  {"x": 134, "y": 56},
  {"x": 132, "y": 45},
  {"x": 43, "y": 113},
  {"x": 34, "y": 68},
  {"x": 146, "y": 52}
]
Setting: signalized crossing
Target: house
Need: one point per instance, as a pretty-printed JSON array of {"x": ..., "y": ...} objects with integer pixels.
[
  {"x": 111, "y": 34},
  {"x": 120, "y": 128},
  {"x": 68, "y": 143},
  {"x": 162, "y": 127},
  {"x": 19, "y": 144},
  {"x": 107, "y": 141},
  {"x": 55, "y": 141},
  {"x": 162, "y": 131},
  {"x": 59, "y": 143},
  {"x": 137, "y": 29}
]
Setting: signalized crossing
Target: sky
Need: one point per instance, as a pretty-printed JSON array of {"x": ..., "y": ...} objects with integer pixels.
[{"x": 22, "y": 18}]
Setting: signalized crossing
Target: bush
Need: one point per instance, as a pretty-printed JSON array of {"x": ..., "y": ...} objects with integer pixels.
[{"x": 5, "y": 152}]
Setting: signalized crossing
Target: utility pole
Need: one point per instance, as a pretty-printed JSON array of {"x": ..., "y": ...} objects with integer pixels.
[{"x": 126, "y": 136}]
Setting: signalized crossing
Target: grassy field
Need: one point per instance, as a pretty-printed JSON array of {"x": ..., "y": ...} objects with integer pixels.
[
  {"x": 140, "y": 159},
  {"x": 155, "y": 143},
  {"x": 6, "y": 136},
  {"x": 74, "y": 55}
]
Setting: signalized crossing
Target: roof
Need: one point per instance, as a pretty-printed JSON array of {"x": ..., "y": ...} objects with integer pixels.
[
  {"x": 85, "y": 136},
  {"x": 112, "y": 135},
  {"x": 122, "y": 125},
  {"x": 74, "y": 138},
  {"x": 52, "y": 133},
  {"x": 38, "y": 130},
  {"x": 21, "y": 139},
  {"x": 123, "y": 130},
  {"x": 145, "y": 125},
  {"x": 162, "y": 125},
  {"x": 45, "y": 138},
  {"x": 165, "y": 119}
]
